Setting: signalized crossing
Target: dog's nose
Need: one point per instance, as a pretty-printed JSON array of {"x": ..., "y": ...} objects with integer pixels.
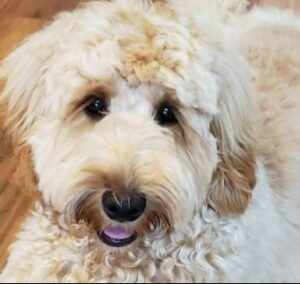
[{"x": 126, "y": 210}]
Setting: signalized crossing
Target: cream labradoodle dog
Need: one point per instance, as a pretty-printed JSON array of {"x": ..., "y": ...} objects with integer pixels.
[{"x": 165, "y": 142}]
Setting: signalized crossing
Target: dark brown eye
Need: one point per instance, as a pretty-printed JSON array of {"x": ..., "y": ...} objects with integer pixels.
[
  {"x": 166, "y": 116},
  {"x": 97, "y": 107}
]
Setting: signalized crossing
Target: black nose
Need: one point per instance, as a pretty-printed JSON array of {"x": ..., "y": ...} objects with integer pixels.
[{"x": 126, "y": 210}]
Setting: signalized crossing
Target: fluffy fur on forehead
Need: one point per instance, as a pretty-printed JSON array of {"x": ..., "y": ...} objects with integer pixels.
[{"x": 144, "y": 42}]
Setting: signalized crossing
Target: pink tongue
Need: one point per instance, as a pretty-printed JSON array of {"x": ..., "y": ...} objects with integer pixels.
[{"x": 117, "y": 233}]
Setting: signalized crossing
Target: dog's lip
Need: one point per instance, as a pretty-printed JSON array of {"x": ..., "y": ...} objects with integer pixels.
[{"x": 117, "y": 236}]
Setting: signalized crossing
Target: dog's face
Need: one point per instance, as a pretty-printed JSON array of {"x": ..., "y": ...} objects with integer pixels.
[{"x": 134, "y": 120}]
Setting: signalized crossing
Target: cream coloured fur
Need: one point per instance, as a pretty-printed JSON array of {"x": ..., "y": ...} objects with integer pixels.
[{"x": 222, "y": 185}]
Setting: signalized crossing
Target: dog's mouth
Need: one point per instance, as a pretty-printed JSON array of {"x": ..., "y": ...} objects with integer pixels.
[{"x": 117, "y": 236}]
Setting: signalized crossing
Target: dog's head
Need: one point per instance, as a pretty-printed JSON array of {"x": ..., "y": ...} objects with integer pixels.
[{"x": 134, "y": 116}]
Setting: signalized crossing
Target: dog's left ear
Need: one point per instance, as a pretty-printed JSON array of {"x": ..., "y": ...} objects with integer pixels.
[
  {"x": 234, "y": 129},
  {"x": 234, "y": 178},
  {"x": 22, "y": 97},
  {"x": 19, "y": 74},
  {"x": 23, "y": 175}
]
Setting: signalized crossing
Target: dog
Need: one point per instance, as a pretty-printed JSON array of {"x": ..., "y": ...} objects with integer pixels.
[{"x": 163, "y": 138}]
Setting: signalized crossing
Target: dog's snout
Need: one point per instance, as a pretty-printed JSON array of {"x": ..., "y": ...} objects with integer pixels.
[{"x": 127, "y": 209}]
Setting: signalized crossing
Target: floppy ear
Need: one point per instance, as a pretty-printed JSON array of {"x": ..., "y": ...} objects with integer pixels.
[
  {"x": 234, "y": 178},
  {"x": 23, "y": 175},
  {"x": 234, "y": 130},
  {"x": 21, "y": 77}
]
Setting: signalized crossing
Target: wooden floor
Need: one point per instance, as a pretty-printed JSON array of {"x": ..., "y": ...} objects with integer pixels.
[{"x": 19, "y": 18}]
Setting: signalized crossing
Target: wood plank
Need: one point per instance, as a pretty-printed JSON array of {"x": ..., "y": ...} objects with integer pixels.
[
  {"x": 39, "y": 9},
  {"x": 13, "y": 30}
]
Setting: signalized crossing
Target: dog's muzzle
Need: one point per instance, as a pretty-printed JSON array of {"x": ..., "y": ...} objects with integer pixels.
[{"x": 123, "y": 211}]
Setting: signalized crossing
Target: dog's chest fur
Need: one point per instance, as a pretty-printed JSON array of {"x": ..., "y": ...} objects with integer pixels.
[{"x": 196, "y": 254}]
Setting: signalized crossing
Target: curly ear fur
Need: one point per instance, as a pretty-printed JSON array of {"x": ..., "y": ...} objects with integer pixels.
[
  {"x": 23, "y": 175},
  {"x": 235, "y": 176},
  {"x": 21, "y": 73}
]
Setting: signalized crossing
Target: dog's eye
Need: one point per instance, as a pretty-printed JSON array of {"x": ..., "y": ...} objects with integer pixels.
[
  {"x": 166, "y": 116},
  {"x": 96, "y": 107}
]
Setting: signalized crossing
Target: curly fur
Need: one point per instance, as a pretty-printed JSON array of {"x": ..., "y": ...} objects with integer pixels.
[{"x": 221, "y": 185}]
